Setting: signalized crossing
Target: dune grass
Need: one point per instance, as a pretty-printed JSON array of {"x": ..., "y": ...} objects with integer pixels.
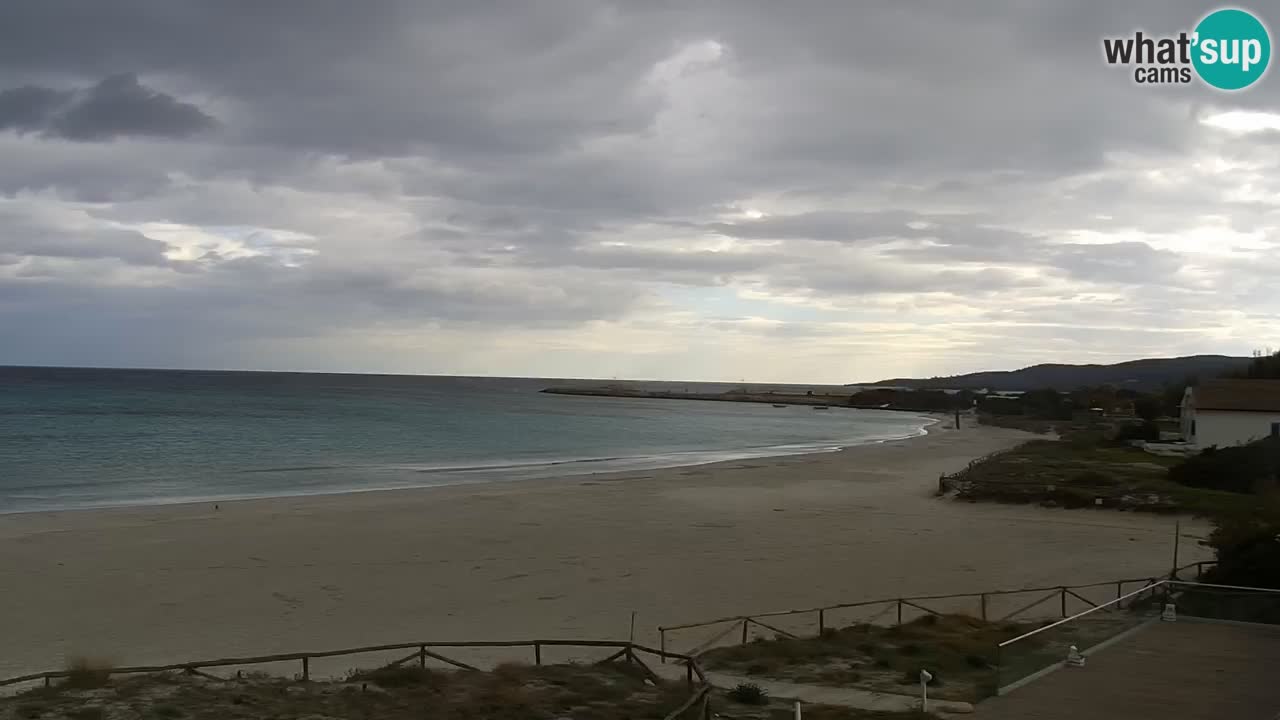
[
  {"x": 615, "y": 691},
  {"x": 958, "y": 650}
]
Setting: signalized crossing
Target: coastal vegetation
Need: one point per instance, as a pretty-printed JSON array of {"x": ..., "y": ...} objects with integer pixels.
[
  {"x": 613, "y": 691},
  {"x": 959, "y": 651},
  {"x": 1094, "y": 463},
  {"x": 1085, "y": 470}
]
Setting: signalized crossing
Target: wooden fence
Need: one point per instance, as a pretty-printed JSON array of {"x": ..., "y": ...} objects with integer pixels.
[
  {"x": 978, "y": 604},
  {"x": 946, "y": 481},
  {"x": 700, "y": 689}
]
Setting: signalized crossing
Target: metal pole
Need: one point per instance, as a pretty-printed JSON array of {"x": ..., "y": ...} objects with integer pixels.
[
  {"x": 984, "y": 605},
  {"x": 1177, "y": 535},
  {"x": 537, "y": 653},
  {"x": 422, "y": 656},
  {"x": 1064, "y": 602},
  {"x": 306, "y": 668},
  {"x": 899, "y": 611},
  {"x": 632, "y": 637},
  {"x": 822, "y": 622},
  {"x": 662, "y": 639},
  {"x": 745, "y": 621}
]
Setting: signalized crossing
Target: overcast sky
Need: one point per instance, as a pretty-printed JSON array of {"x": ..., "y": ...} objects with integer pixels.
[{"x": 800, "y": 191}]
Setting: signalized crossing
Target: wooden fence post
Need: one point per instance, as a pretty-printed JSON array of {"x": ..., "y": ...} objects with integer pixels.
[
  {"x": 422, "y": 657},
  {"x": 745, "y": 622},
  {"x": 822, "y": 622},
  {"x": 537, "y": 653},
  {"x": 306, "y": 668},
  {"x": 983, "y": 600},
  {"x": 899, "y": 611},
  {"x": 1064, "y": 602},
  {"x": 688, "y": 673},
  {"x": 662, "y": 639}
]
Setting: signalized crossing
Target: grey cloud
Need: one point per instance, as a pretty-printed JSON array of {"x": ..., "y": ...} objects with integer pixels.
[
  {"x": 466, "y": 164},
  {"x": 29, "y": 108},
  {"x": 21, "y": 237},
  {"x": 118, "y": 106},
  {"x": 1127, "y": 262}
]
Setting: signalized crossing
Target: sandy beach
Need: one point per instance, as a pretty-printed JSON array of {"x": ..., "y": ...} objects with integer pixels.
[{"x": 559, "y": 558}]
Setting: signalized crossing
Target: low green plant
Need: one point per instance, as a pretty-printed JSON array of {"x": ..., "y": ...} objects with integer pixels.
[
  {"x": 749, "y": 694},
  {"x": 394, "y": 676}
]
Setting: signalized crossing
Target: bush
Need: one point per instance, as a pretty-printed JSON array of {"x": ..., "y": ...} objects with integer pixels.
[
  {"x": 1147, "y": 431},
  {"x": 749, "y": 694},
  {"x": 1247, "y": 547},
  {"x": 394, "y": 676},
  {"x": 1236, "y": 469}
]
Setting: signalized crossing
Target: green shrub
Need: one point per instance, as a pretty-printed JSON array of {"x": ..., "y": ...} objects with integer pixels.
[
  {"x": 749, "y": 694},
  {"x": 394, "y": 676},
  {"x": 1235, "y": 469}
]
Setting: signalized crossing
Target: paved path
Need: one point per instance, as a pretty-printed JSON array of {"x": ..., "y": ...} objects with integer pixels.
[
  {"x": 1173, "y": 671},
  {"x": 821, "y": 694}
]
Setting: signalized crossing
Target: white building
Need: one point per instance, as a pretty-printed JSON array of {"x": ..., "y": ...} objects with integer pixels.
[{"x": 1230, "y": 412}]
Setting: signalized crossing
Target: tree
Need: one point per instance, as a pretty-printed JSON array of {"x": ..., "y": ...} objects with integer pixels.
[
  {"x": 1241, "y": 469},
  {"x": 1248, "y": 547},
  {"x": 1147, "y": 407},
  {"x": 1265, "y": 366}
]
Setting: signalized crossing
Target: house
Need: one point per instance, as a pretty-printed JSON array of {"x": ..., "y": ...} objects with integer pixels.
[{"x": 1230, "y": 412}]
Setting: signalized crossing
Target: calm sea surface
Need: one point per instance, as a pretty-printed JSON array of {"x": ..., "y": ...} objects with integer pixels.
[{"x": 86, "y": 438}]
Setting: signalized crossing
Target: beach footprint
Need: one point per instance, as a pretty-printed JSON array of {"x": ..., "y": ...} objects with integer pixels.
[{"x": 290, "y": 602}]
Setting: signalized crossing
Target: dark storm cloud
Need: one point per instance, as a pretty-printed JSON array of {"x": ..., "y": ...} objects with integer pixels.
[
  {"x": 118, "y": 106},
  {"x": 29, "y": 108}
]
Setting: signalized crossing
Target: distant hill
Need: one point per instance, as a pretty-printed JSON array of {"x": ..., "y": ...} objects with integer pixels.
[{"x": 1147, "y": 375}]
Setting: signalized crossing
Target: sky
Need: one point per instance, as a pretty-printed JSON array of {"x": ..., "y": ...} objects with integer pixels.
[{"x": 716, "y": 190}]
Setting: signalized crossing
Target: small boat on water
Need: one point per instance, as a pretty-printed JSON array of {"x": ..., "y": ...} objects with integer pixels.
[
  {"x": 821, "y": 407},
  {"x": 778, "y": 405}
]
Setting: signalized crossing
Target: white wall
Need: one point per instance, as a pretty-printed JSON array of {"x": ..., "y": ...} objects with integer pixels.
[{"x": 1222, "y": 428}]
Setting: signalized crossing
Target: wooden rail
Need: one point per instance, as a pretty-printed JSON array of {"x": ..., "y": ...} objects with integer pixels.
[
  {"x": 421, "y": 651},
  {"x": 1061, "y": 592}
]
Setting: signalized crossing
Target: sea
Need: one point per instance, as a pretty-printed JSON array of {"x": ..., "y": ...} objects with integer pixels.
[{"x": 80, "y": 438}]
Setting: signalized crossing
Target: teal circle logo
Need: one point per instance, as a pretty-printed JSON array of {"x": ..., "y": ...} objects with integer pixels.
[{"x": 1231, "y": 49}]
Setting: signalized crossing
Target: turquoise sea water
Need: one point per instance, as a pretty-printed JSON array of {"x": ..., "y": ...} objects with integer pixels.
[{"x": 74, "y": 438}]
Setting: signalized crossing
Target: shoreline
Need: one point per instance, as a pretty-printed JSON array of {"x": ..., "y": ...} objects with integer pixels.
[
  {"x": 643, "y": 463},
  {"x": 558, "y": 557}
]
